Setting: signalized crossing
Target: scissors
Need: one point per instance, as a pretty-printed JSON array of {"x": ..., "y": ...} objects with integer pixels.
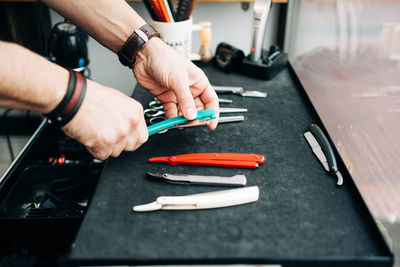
[
  {"x": 156, "y": 109},
  {"x": 203, "y": 116},
  {"x": 156, "y": 104},
  {"x": 159, "y": 113}
]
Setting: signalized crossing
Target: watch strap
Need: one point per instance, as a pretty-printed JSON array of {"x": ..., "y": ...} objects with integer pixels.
[{"x": 127, "y": 53}]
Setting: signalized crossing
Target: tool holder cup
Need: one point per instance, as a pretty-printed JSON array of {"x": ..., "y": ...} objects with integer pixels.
[{"x": 178, "y": 35}]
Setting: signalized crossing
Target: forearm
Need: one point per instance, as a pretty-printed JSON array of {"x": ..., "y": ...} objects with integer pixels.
[
  {"x": 29, "y": 81},
  {"x": 109, "y": 22}
]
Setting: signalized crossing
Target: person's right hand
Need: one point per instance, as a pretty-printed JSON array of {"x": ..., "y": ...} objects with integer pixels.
[{"x": 108, "y": 122}]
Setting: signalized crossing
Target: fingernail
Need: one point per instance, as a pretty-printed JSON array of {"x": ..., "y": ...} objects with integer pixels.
[{"x": 191, "y": 114}]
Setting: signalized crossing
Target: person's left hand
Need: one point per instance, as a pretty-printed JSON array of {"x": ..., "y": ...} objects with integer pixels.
[{"x": 181, "y": 86}]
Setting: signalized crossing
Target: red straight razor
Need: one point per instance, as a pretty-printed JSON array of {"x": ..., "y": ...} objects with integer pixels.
[{"x": 236, "y": 160}]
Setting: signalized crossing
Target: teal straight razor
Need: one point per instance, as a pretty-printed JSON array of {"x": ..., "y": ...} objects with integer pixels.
[{"x": 202, "y": 115}]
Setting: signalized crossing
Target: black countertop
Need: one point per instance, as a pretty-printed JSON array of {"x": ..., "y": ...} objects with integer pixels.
[{"x": 302, "y": 217}]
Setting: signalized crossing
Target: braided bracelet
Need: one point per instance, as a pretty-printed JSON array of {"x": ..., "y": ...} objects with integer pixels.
[{"x": 71, "y": 102}]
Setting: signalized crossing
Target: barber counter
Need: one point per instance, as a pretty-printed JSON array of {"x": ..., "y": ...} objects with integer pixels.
[{"x": 302, "y": 218}]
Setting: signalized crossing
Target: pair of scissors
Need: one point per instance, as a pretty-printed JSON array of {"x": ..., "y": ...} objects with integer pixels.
[
  {"x": 203, "y": 116},
  {"x": 155, "y": 109}
]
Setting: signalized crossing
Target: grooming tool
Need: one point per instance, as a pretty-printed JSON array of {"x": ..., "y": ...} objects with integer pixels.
[
  {"x": 224, "y": 101},
  {"x": 157, "y": 10},
  {"x": 170, "y": 12},
  {"x": 232, "y": 110},
  {"x": 239, "y": 91},
  {"x": 323, "y": 150},
  {"x": 209, "y": 200},
  {"x": 236, "y": 180},
  {"x": 172, "y": 9},
  {"x": 260, "y": 19},
  {"x": 184, "y": 9},
  {"x": 205, "y": 52},
  {"x": 236, "y": 160},
  {"x": 156, "y": 104},
  {"x": 230, "y": 119},
  {"x": 150, "y": 9},
  {"x": 152, "y": 113},
  {"x": 156, "y": 108},
  {"x": 154, "y": 120},
  {"x": 202, "y": 115},
  {"x": 163, "y": 10}
]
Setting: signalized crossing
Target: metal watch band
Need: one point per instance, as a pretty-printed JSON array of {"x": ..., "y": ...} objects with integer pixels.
[{"x": 127, "y": 53}]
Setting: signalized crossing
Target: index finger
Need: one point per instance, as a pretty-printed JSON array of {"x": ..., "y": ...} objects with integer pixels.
[{"x": 210, "y": 99}]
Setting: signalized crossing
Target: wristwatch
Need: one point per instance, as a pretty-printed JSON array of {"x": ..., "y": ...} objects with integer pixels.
[{"x": 127, "y": 53}]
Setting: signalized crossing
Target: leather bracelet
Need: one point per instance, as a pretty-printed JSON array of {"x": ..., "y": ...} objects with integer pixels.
[
  {"x": 129, "y": 50},
  {"x": 71, "y": 102}
]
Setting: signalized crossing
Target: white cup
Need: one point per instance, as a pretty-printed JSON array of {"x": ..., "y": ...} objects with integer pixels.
[{"x": 178, "y": 35}]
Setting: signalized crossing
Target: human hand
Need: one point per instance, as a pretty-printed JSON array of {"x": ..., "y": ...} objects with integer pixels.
[
  {"x": 180, "y": 85},
  {"x": 108, "y": 122}
]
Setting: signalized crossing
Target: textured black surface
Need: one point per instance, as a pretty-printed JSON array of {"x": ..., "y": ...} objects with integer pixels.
[{"x": 301, "y": 213}]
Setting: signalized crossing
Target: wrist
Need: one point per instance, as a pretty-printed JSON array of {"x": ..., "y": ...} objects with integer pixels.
[
  {"x": 135, "y": 43},
  {"x": 70, "y": 102},
  {"x": 57, "y": 88},
  {"x": 151, "y": 46}
]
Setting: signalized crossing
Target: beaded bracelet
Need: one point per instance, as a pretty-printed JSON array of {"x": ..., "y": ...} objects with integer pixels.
[{"x": 71, "y": 102}]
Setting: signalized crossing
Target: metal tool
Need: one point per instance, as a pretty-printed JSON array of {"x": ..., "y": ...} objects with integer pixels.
[
  {"x": 180, "y": 121},
  {"x": 224, "y": 101},
  {"x": 156, "y": 104},
  {"x": 191, "y": 124},
  {"x": 236, "y": 160},
  {"x": 152, "y": 113},
  {"x": 323, "y": 150},
  {"x": 232, "y": 110},
  {"x": 209, "y": 200},
  {"x": 236, "y": 180},
  {"x": 239, "y": 91},
  {"x": 230, "y": 119}
]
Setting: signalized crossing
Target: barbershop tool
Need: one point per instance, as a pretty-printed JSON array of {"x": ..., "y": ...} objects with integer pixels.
[
  {"x": 236, "y": 180},
  {"x": 262, "y": 64},
  {"x": 209, "y": 200},
  {"x": 156, "y": 104},
  {"x": 239, "y": 91},
  {"x": 224, "y": 101},
  {"x": 232, "y": 110},
  {"x": 170, "y": 11},
  {"x": 205, "y": 51},
  {"x": 323, "y": 150},
  {"x": 230, "y": 119},
  {"x": 236, "y": 160},
  {"x": 260, "y": 19},
  {"x": 179, "y": 121},
  {"x": 185, "y": 7},
  {"x": 155, "y": 120},
  {"x": 151, "y": 113}
]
